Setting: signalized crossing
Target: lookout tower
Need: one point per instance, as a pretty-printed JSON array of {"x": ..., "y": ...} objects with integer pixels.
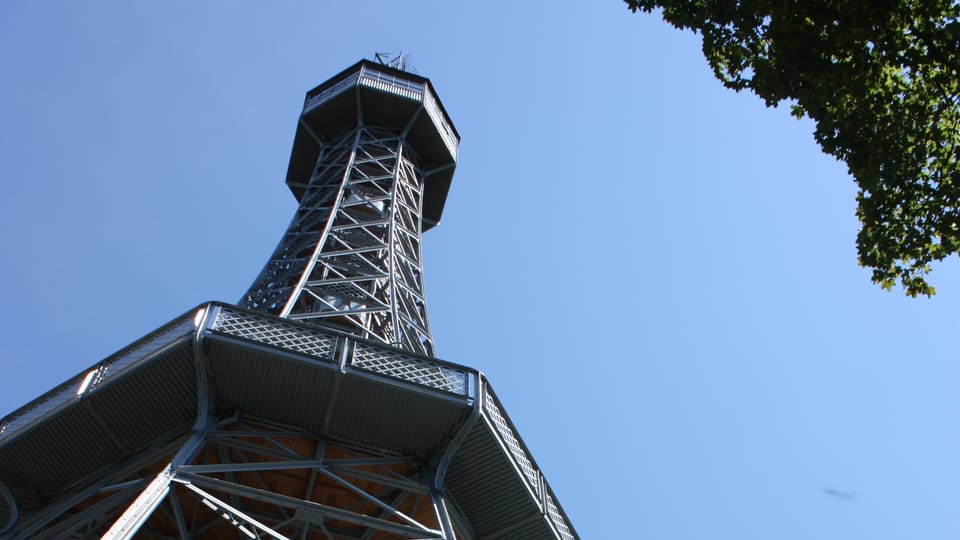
[
  {"x": 372, "y": 160},
  {"x": 316, "y": 407}
]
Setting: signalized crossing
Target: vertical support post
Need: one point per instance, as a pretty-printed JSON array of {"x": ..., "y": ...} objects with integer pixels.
[{"x": 443, "y": 513}]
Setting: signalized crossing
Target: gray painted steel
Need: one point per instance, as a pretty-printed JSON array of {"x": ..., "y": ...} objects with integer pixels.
[
  {"x": 331, "y": 348},
  {"x": 378, "y": 148},
  {"x": 65, "y": 455}
]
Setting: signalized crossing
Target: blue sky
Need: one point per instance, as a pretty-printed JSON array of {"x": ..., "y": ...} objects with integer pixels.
[{"x": 657, "y": 275}]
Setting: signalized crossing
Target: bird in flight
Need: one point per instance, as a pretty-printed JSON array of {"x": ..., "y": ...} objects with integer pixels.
[{"x": 847, "y": 496}]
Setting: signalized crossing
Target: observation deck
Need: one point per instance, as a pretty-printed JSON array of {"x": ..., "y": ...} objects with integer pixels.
[
  {"x": 372, "y": 94},
  {"x": 88, "y": 435}
]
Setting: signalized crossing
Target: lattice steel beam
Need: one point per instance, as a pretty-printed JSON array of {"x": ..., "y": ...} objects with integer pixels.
[
  {"x": 372, "y": 161},
  {"x": 352, "y": 253},
  {"x": 271, "y": 481}
]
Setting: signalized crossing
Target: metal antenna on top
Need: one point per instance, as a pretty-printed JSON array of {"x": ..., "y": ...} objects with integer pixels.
[{"x": 396, "y": 61}]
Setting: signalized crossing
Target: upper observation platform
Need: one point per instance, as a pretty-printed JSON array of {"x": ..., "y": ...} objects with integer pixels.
[{"x": 369, "y": 94}]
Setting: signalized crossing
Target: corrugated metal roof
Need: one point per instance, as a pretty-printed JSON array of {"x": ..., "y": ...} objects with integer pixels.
[
  {"x": 152, "y": 401},
  {"x": 269, "y": 385},
  {"x": 394, "y": 418},
  {"x": 114, "y": 420},
  {"x": 489, "y": 489}
]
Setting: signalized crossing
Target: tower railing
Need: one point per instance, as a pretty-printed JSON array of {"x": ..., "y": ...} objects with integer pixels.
[
  {"x": 321, "y": 97},
  {"x": 446, "y": 132},
  {"x": 400, "y": 86}
]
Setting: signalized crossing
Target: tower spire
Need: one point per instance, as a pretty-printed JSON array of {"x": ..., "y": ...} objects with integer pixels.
[
  {"x": 369, "y": 182},
  {"x": 397, "y": 61}
]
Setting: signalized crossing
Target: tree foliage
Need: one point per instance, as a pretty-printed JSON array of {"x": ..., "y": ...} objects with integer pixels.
[{"x": 881, "y": 79}]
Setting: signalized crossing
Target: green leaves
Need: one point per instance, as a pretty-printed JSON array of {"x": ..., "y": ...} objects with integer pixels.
[{"x": 881, "y": 79}]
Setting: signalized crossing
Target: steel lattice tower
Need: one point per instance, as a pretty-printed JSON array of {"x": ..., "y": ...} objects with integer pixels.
[
  {"x": 352, "y": 252},
  {"x": 315, "y": 408}
]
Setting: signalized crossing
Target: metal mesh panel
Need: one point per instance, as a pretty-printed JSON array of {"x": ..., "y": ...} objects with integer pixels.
[
  {"x": 47, "y": 403},
  {"x": 139, "y": 351},
  {"x": 557, "y": 518},
  {"x": 360, "y": 238},
  {"x": 347, "y": 291},
  {"x": 275, "y": 333},
  {"x": 409, "y": 368},
  {"x": 508, "y": 437}
]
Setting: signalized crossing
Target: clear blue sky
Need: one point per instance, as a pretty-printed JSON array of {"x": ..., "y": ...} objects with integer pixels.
[{"x": 658, "y": 275}]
